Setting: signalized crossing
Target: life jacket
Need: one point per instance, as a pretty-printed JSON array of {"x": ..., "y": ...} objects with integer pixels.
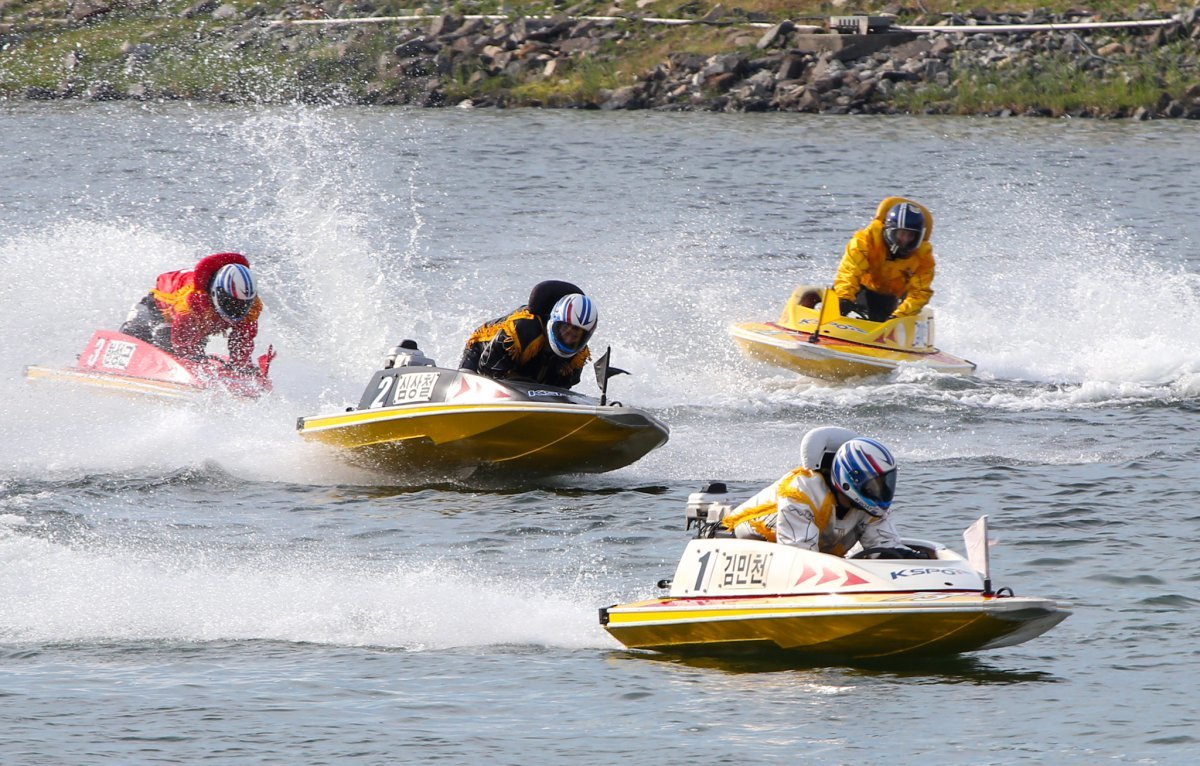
[
  {"x": 525, "y": 335},
  {"x": 173, "y": 290},
  {"x": 524, "y": 343},
  {"x": 762, "y": 507}
]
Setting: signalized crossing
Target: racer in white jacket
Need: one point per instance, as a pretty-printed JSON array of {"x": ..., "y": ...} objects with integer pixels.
[{"x": 806, "y": 509}]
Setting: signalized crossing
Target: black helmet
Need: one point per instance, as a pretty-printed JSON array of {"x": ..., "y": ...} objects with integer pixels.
[
  {"x": 907, "y": 217},
  {"x": 545, "y": 295}
]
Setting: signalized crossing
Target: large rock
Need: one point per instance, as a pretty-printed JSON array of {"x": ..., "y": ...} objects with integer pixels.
[
  {"x": 86, "y": 9},
  {"x": 849, "y": 47}
]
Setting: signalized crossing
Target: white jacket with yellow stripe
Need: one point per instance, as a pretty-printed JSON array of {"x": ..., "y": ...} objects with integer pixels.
[{"x": 799, "y": 509}]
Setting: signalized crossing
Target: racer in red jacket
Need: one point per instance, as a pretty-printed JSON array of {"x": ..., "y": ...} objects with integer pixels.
[{"x": 186, "y": 307}]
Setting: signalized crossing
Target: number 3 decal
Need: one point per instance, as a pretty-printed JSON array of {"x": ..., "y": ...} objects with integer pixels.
[{"x": 95, "y": 355}]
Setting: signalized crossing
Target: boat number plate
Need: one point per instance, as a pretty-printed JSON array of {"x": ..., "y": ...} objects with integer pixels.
[
  {"x": 921, "y": 334},
  {"x": 404, "y": 389},
  {"x": 116, "y": 354},
  {"x": 745, "y": 570}
]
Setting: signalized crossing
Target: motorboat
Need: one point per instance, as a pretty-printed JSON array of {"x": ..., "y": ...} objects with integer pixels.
[
  {"x": 417, "y": 417},
  {"x": 738, "y": 596},
  {"x": 119, "y": 363},
  {"x": 813, "y": 337}
]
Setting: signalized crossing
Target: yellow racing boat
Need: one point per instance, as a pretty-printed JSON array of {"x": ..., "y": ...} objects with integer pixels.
[
  {"x": 418, "y": 418},
  {"x": 813, "y": 338},
  {"x": 731, "y": 596}
]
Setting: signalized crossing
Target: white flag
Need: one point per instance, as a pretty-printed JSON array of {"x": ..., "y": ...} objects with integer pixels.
[{"x": 976, "y": 538}]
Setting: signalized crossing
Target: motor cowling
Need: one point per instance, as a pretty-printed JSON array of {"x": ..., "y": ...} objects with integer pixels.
[
  {"x": 706, "y": 508},
  {"x": 407, "y": 354}
]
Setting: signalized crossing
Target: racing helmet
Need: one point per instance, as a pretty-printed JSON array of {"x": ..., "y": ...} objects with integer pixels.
[
  {"x": 232, "y": 292},
  {"x": 865, "y": 470},
  {"x": 903, "y": 217},
  {"x": 575, "y": 310}
]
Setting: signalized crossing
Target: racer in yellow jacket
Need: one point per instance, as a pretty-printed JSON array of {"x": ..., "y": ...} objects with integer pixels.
[
  {"x": 544, "y": 340},
  {"x": 887, "y": 269}
]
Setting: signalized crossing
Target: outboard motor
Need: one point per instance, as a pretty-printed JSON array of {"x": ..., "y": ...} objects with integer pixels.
[
  {"x": 407, "y": 355},
  {"x": 706, "y": 508}
]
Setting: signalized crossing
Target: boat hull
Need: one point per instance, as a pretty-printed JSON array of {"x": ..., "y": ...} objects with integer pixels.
[
  {"x": 118, "y": 384},
  {"x": 736, "y": 596},
  {"x": 814, "y": 339},
  {"x": 429, "y": 419},
  {"x": 832, "y": 358},
  {"x": 121, "y": 364},
  {"x": 531, "y": 438},
  {"x": 863, "y": 627}
]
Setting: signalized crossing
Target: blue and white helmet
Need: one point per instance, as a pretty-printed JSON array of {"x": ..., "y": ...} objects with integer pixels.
[
  {"x": 575, "y": 310},
  {"x": 903, "y": 217},
  {"x": 233, "y": 292},
  {"x": 865, "y": 470}
]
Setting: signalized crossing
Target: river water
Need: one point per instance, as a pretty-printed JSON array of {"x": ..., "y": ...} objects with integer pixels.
[{"x": 194, "y": 584}]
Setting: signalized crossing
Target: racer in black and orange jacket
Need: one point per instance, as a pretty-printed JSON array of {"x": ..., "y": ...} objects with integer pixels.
[{"x": 520, "y": 344}]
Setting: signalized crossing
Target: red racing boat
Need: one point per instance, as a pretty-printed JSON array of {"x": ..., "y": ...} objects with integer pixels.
[{"x": 121, "y": 363}]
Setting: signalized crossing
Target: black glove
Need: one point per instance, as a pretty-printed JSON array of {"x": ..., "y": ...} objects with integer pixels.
[
  {"x": 242, "y": 370},
  {"x": 846, "y": 306}
]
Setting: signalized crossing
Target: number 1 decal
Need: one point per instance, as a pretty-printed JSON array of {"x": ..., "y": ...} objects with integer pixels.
[{"x": 703, "y": 568}]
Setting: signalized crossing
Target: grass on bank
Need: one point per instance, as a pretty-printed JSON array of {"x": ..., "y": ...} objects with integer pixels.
[
  {"x": 1060, "y": 86},
  {"x": 198, "y": 57}
]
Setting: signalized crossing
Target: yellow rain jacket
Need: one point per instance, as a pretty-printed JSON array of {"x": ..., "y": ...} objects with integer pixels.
[{"x": 865, "y": 263}]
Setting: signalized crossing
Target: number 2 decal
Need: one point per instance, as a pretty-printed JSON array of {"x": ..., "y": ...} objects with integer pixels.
[{"x": 385, "y": 385}]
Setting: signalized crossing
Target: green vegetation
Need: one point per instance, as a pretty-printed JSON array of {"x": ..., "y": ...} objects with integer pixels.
[{"x": 158, "y": 49}]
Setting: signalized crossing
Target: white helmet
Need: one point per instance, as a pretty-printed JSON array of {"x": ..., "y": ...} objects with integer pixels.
[
  {"x": 233, "y": 292},
  {"x": 865, "y": 470},
  {"x": 575, "y": 310}
]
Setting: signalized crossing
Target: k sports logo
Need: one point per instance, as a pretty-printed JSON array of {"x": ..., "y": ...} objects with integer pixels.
[{"x": 917, "y": 571}]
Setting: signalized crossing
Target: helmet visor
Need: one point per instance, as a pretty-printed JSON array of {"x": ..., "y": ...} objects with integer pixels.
[
  {"x": 880, "y": 489},
  {"x": 569, "y": 336},
  {"x": 231, "y": 308}
]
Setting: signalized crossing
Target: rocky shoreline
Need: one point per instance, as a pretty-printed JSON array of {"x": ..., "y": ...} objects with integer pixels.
[{"x": 334, "y": 55}]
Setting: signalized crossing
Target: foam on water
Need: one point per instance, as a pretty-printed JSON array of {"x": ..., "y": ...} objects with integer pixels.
[
  {"x": 59, "y": 592},
  {"x": 1060, "y": 310}
]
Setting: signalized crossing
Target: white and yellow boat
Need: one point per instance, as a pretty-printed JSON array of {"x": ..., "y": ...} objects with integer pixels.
[
  {"x": 418, "y": 418},
  {"x": 813, "y": 338},
  {"x": 731, "y": 596}
]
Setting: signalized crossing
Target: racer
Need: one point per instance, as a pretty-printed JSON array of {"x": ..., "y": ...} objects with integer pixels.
[
  {"x": 839, "y": 495},
  {"x": 186, "y": 307},
  {"x": 887, "y": 268},
  {"x": 545, "y": 340}
]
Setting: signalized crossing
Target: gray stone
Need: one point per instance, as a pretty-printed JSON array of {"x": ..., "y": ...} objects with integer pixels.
[
  {"x": 776, "y": 35},
  {"x": 86, "y": 9},
  {"x": 849, "y": 47},
  {"x": 199, "y": 8}
]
